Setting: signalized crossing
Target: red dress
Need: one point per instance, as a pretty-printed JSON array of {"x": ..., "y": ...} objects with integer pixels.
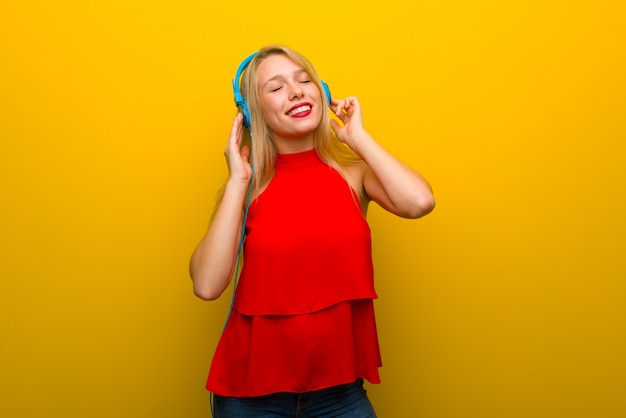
[{"x": 303, "y": 315}]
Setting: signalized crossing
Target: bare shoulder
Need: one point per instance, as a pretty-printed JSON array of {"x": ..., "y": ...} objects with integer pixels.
[{"x": 355, "y": 174}]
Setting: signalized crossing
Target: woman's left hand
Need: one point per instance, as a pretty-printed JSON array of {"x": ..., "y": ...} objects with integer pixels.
[{"x": 348, "y": 111}]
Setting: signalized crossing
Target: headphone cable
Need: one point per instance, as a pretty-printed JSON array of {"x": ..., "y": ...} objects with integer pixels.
[{"x": 238, "y": 264}]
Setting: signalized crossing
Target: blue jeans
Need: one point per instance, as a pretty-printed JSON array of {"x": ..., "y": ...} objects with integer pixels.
[{"x": 343, "y": 401}]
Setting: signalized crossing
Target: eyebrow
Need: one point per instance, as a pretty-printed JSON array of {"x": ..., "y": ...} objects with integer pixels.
[{"x": 280, "y": 76}]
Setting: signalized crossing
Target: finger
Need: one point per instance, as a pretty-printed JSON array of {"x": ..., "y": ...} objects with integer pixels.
[
  {"x": 352, "y": 106},
  {"x": 350, "y": 103},
  {"x": 339, "y": 109},
  {"x": 235, "y": 132},
  {"x": 238, "y": 124},
  {"x": 342, "y": 116},
  {"x": 245, "y": 152}
]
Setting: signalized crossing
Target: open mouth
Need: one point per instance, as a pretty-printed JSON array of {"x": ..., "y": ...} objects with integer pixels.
[{"x": 301, "y": 110}]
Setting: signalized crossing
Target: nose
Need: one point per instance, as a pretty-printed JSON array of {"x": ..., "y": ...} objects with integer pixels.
[{"x": 295, "y": 91}]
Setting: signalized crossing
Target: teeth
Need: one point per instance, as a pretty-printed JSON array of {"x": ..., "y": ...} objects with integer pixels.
[{"x": 300, "y": 109}]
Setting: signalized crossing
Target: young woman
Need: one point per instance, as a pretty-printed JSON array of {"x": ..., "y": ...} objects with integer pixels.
[{"x": 301, "y": 335}]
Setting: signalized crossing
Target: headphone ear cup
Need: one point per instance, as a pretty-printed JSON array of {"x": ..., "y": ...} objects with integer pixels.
[
  {"x": 243, "y": 109},
  {"x": 240, "y": 101},
  {"x": 326, "y": 90}
]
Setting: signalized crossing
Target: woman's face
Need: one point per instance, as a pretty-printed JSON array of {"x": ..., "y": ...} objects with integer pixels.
[{"x": 290, "y": 102}]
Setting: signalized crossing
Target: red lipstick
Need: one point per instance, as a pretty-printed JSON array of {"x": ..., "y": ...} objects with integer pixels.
[{"x": 300, "y": 110}]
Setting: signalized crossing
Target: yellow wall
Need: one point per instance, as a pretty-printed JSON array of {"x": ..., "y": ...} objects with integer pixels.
[{"x": 507, "y": 301}]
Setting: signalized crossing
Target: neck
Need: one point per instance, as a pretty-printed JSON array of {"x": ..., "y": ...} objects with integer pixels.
[{"x": 294, "y": 145}]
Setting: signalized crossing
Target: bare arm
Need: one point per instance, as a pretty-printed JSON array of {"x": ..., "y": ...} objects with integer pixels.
[
  {"x": 212, "y": 262},
  {"x": 388, "y": 181}
]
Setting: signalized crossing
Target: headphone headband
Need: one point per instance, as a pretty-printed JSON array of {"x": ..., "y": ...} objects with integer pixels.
[{"x": 242, "y": 103}]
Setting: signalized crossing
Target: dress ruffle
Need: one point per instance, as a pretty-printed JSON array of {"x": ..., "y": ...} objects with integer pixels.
[{"x": 258, "y": 355}]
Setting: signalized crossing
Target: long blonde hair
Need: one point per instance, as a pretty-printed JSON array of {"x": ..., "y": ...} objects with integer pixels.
[{"x": 330, "y": 150}]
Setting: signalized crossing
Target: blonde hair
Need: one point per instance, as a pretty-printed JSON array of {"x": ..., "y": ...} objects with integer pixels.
[{"x": 263, "y": 152}]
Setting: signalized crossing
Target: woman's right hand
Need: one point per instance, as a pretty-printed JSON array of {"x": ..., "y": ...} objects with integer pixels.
[
  {"x": 238, "y": 157},
  {"x": 212, "y": 262}
]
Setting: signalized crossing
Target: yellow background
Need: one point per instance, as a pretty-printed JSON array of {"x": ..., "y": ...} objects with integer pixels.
[{"x": 507, "y": 301}]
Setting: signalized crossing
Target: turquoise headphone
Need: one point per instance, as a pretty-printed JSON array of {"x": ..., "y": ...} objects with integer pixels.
[{"x": 242, "y": 103}]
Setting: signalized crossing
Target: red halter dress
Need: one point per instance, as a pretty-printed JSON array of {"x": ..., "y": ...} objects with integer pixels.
[{"x": 303, "y": 315}]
